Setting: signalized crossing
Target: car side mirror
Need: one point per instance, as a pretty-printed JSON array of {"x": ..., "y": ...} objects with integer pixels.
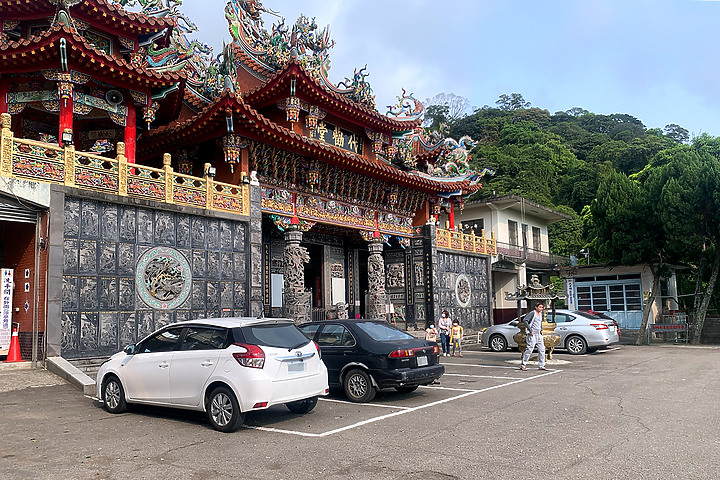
[{"x": 129, "y": 349}]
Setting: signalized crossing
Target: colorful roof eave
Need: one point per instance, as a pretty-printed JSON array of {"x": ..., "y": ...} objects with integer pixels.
[
  {"x": 277, "y": 87},
  {"x": 110, "y": 14},
  {"x": 25, "y": 49},
  {"x": 200, "y": 128}
]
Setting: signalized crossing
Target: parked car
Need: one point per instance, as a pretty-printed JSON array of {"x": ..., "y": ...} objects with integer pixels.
[
  {"x": 223, "y": 366},
  {"x": 364, "y": 356},
  {"x": 579, "y": 332}
]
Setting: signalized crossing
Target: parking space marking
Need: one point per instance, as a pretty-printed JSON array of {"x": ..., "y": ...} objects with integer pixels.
[
  {"x": 402, "y": 412},
  {"x": 367, "y": 404},
  {"x": 448, "y": 388},
  {"x": 480, "y": 376},
  {"x": 475, "y": 365}
]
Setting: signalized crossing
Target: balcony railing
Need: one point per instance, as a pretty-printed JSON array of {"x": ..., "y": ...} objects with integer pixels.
[
  {"x": 466, "y": 242},
  {"x": 44, "y": 162},
  {"x": 530, "y": 255}
]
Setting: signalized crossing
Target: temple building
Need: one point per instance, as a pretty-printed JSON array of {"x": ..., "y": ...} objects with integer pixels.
[{"x": 147, "y": 181}]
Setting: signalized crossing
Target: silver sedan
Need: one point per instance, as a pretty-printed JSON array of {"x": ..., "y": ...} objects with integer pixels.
[{"x": 580, "y": 332}]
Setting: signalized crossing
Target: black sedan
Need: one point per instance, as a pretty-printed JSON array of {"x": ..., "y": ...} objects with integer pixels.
[{"x": 364, "y": 356}]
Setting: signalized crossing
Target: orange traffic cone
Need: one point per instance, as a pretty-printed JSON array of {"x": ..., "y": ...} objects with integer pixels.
[{"x": 14, "y": 352}]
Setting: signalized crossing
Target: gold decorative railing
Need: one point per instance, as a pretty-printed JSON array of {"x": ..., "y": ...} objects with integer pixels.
[
  {"x": 455, "y": 240},
  {"x": 43, "y": 162}
]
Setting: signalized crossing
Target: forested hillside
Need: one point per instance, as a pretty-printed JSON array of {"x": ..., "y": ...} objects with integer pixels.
[{"x": 637, "y": 195}]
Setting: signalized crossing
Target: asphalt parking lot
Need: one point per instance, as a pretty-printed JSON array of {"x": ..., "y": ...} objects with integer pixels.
[{"x": 632, "y": 412}]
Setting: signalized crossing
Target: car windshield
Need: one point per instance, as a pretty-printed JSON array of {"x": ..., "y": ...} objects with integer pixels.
[
  {"x": 278, "y": 336},
  {"x": 382, "y": 332}
]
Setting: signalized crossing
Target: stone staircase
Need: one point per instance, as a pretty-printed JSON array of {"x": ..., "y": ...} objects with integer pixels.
[{"x": 89, "y": 366}]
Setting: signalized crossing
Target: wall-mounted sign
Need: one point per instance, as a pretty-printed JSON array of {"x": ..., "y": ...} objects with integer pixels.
[{"x": 6, "y": 291}]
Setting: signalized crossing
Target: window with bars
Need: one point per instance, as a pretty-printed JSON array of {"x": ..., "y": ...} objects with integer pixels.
[
  {"x": 536, "y": 239},
  {"x": 605, "y": 298}
]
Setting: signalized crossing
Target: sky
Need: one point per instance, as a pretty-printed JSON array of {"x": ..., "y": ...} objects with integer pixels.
[{"x": 656, "y": 60}]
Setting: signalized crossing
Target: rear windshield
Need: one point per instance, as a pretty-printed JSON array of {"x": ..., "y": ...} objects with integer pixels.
[
  {"x": 382, "y": 332},
  {"x": 278, "y": 336}
]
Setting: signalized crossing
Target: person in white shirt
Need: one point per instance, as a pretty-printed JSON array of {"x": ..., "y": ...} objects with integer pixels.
[{"x": 534, "y": 336}]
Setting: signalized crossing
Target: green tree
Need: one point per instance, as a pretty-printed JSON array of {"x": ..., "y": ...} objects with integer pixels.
[
  {"x": 514, "y": 101},
  {"x": 677, "y": 133},
  {"x": 627, "y": 232},
  {"x": 686, "y": 191}
]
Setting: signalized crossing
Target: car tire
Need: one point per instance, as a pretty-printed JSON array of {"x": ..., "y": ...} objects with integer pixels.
[
  {"x": 302, "y": 406},
  {"x": 407, "y": 388},
  {"x": 358, "y": 386},
  {"x": 223, "y": 410},
  {"x": 113, "y": 395},
  {"x": 497, "y": 343},
  {"x": 576, "y": 345}
]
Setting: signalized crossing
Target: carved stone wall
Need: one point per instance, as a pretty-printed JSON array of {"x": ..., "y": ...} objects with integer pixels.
[
  {"x": 463, "y": 288},
  {"x": 127, "y": 270}
]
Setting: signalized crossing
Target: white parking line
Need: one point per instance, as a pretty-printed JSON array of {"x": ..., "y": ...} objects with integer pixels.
[
  {"x": 368, "y": 404},
  {"x": 401, "y": 412},
  {"x": 449, "y": 388},
  {"x": 474, "y": 365},
  {"x": 480, "y": 376}
]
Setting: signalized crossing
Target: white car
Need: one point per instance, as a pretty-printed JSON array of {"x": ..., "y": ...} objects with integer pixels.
[
  {"x": 223, "y": 366},
  {"x": 580, "y": 332}
]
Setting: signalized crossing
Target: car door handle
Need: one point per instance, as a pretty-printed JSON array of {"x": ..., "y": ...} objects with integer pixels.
[
  {"x": 164, "y": 365},
  {"x": 348, "y": 352},
  {"x": 207, "y": 363}
]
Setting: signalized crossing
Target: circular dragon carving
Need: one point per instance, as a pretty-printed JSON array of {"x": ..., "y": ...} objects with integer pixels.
[
  {"x": 163, "y": 278},
  {"x": 462, "y": 290}
]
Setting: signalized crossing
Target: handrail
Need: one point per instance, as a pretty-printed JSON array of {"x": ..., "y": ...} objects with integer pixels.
[
  {"x": 33, "y": 160},
  {"x": 456, "y": 240}
]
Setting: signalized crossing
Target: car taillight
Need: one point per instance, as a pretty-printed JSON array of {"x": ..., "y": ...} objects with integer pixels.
[
  {"x": 617, "y": 328},
  {"x": 436, "y": 350},
  {"x": 599, "y": 326},
  {"x": 317, "y": 347},
  {"x": 252, "y": 357},
  {"x": 402, "y": 353}
]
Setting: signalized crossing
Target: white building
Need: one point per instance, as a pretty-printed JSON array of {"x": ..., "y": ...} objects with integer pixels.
[{"x": 520, "y": 227}]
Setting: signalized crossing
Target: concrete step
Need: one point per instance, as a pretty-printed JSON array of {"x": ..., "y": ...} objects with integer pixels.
[{"x": 89, "y": 366}]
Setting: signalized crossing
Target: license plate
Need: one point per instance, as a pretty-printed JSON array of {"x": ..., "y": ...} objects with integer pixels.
[
  {"x": 296, "y": 367},
  {"x": 422, "y": 361}
]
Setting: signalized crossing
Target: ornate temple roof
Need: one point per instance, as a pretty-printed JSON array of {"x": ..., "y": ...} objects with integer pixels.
[
  {"x": 211, "y": 123},
  {"x": 312, "y": 90},
  {"x": 103, "y": 13},
  {"x": 38, "y": 50}
]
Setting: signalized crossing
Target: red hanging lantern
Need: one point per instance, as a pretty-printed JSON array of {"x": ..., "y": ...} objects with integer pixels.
[{"x": 312, "y": 117}]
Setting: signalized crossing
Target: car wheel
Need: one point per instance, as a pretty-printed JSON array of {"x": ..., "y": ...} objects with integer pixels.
[
  {"x": 223, "y": 410},
  {"x": 113, "y": 395},
  {"x": 302, "y": 406},
  {"x": 406, "y": 389},
  {"x": 358, "y": 386},
  {"x": 497, "y": 343},
  {"x": 576, "y": 345}
]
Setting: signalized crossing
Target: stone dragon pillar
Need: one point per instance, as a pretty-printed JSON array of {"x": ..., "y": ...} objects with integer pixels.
[
  {"x": 377, "y": 300},
  {"x": 296, "y": 301}
]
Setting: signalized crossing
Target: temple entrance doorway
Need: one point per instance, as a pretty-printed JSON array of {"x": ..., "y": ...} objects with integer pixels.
[{"x": 314, "y": 279}]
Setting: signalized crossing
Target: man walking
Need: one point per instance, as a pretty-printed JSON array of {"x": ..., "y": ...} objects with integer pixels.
[{"x": 533, "y": 336}]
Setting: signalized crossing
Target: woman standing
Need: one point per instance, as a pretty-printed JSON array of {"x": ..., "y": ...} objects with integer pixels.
[{"x": 444, "y": 325}]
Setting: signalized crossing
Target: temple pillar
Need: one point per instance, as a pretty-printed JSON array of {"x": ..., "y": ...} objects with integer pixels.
[
  {"x": 3, "y": 94},
  {"x": 451, "y": 215},
  {"x": 130, "y": 132},
  {"x": 377, "y": 299},
  {"x": 297, "y": 300},
  {"x": 66, "y": 116}
]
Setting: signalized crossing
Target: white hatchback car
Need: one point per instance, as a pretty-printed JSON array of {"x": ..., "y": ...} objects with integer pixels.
[{"x": 223, "y": 366}]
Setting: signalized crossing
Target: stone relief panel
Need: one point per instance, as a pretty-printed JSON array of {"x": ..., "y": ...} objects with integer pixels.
[
  {"x": 463, "y": 288},
  {"x": 105, "y": 299},
  {"x": 396, "y": 275}
]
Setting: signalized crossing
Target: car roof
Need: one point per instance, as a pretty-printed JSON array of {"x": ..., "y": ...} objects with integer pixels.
[
  {"x": 346, "y": 320},
  {"x": 233, "y": 322}
]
